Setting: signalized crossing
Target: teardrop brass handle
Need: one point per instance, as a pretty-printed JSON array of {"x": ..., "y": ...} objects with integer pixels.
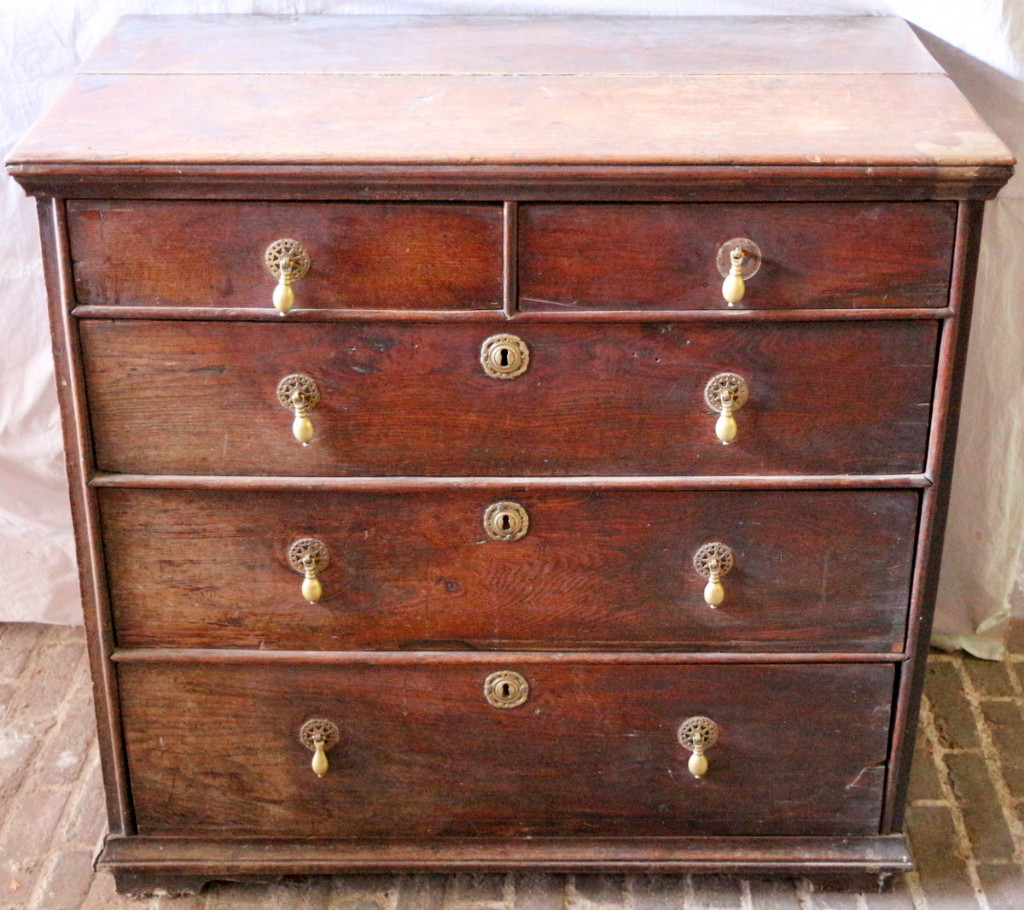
[
  {"x": 319, "y": 735},
  {"x": 725, "y": 394},
  {"x": 309, "y": 557},
  {"x": 288, "y": 261},
  {"x": 698, "y": 734},
  {"x": 712, "y": 561},
  {"x": 299, "y": 394},
  {"x": 738, "y": 261}
]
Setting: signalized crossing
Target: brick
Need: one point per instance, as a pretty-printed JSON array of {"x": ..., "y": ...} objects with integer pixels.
[
  {"x": 1006, "y": 725},
  {"x": 67, "y": 742},
  {"x": 46, "y": 684},
  {"x": 949, "y": 706},
  {"x": 717, "y": 891},
  {"x": 838, "y": 900},
  {"x": 18, "y": 642},
  {"x": 102, "y": 896},
  {"x": 658, "y": 892},
  {"x": 773, "y": 894},
  {"x": 924, "y": 776},
  {"x": 34, "y": 818},
  {"x": 603, "y": 890},
  {"x": 989, "y": 677},
  {"x": 473, "y": 889},
  {"x": 68, "y": 881},
  {"x": 537, "y": 891},
  {"x": 421, "y": 892},
  {"x": 362, "y": 892},
  {"x": 897, "y": 898},
  {"x": 17, "y": 749},
  {"x": 85, "y": 816},
  {"x": 940, "y": 859},
  {"x": 986, "y": 827},
  {"x": 1003, "y": 885}
]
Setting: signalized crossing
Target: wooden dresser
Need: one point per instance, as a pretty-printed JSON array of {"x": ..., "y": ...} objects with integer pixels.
[{"x": 584, "y": 509}]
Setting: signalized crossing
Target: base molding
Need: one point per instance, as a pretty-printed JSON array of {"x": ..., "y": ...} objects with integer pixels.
[{"x": 181, "y": 865}]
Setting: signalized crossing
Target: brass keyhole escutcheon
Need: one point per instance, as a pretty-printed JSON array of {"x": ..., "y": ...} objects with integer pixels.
[
  {"x": 506, "y": 689},
  {"x": 506, "y": 521},
  {"x": 698, "y": 734},
  {"x": 504, "y": 356},
  {"x": 319, "y": 735}
]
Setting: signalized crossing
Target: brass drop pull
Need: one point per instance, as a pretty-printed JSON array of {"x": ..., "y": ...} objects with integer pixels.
[
  {"x": 712, "y": 561},
  {"x": 288, "y": 261},
  {"x": 309, "y": 557},
  {"x": 698, "y": 734},
  {"x": 725, "y": 394},
  {"x": 504, "y": 356},
  {"x": 738, "y": 261},
  {"x": 506, "y": 521},
  {"x": 319, "y": 736},
  {"x": 299, "y": 394}
]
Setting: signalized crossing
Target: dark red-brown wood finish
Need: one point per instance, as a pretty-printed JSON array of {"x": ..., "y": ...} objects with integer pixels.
[{"x": 570, "y": 181}]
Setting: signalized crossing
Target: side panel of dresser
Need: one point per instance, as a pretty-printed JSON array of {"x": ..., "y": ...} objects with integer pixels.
[{"x": 78, "y": 454}]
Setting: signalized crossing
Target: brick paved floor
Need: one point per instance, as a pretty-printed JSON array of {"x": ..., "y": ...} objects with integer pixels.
[{"x": 964, "y": 820}]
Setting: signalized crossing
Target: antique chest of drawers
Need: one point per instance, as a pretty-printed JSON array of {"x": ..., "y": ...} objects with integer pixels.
[{"x": 508, "y": 443}]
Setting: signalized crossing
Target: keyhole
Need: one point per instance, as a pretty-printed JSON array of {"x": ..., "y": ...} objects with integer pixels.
[
  {"x": 506, "y": 523},
  {"x": 505, "y": 690},
  {"x": 503, "y": 356}
]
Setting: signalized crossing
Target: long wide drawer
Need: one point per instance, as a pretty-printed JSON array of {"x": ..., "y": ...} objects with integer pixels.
[
  {"x": 215, "y": 749},
  {"x": 666, "y": 256},
  {"x": 203, "y": 398},
  {"x": 807, "y": 571},
  {"x": 213, "y": 254}
]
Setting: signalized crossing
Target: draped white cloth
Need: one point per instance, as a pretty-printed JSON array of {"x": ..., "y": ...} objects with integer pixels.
[{"x": 979, "y": 42}]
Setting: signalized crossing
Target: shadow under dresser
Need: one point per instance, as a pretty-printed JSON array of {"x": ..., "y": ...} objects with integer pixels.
[{"x": 508, "y": 442}]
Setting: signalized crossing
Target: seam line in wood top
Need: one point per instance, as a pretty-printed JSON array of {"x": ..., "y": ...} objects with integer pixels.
[{"x": 497, "y": 657}]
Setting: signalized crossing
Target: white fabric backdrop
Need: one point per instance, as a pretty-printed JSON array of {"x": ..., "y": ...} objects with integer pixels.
[{"x": 979, "y": 42}]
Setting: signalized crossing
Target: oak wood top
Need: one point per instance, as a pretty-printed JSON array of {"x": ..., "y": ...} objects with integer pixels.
[{"x": 321, "y": 91}]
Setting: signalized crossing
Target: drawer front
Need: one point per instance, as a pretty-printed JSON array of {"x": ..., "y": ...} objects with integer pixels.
[
  {"x": 811, "y": 571},
  {"x": 212, "y": 254},
  {"x": 201, "y": 398},
  {"x": 215, "y": 749},
  {"x": 820, "y": 256}
]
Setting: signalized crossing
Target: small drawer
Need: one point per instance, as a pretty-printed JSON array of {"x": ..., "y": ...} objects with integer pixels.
[
  {"x": 416, "y": 399},
  {"x": 400, "y": 256},
  {"x": 825, "y": 571},
  {"x": 665, "y": 256},
  {"x": 421, "y": 751}
]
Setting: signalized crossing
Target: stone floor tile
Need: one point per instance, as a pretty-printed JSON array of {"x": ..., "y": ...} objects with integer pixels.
[
  {"x": 102, "y": 896},
  {"x": 18, "y": 642},
  {"x": 68, "y": 742},
  {"x": 598, "y": 890},
  {"x": 898, "y": 897},
  {"x": 539, "y": 891},
  {"x": 834, "y": 900},
  {"x": 989, "y": 677},
  {"x": 986, "y": 825},
  {"x": 47, "y": 682},
  {"x": 311, "y": 892},
  {"x": 421, "y": 892},
  {"x": 464, "y": 890},
  {"x": 658, "y": 892},
  {"x": 17, "y": 750},
  {"x": 85, "y": 816},
  {"x": 949, "y": 705},
  {"x": 362, "y": 892},
  {"x": 67, "y": 882},
  {"x": 1003, "y": 885},
  {"x": 26, "y": 843},
  {"x": 1005, "y": 723},
  {"x": 940, "y": 861},
  {"x": 722, "y": 892},
  {"x": 924, "y": 775},
  {"x": 773, "y": 894}
]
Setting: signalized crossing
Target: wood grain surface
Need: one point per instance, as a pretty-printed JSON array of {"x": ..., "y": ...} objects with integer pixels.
[
  {"x": 849, "y": 255},
  {"x": 814, "y": 570},
  {"x": 215, "y": 750},
  {"x": 406, "y": 398},
  {"x": 400, "y": 256}
]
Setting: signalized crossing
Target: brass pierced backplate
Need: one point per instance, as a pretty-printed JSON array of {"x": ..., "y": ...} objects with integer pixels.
[
  {"x": 698, "y": 733},
  {"x": 506, "y": 521},
  {"x": 704, "y": 557},
  {"x": 319, "y": 730},
  {"x": 504, "y": 356},
  {"x": 287, "y": 257},
  {"x": 506, "y": 689},
  {"x": 726, "y": 382},
  {"x": 298, "y": 388},
  {"x": 308, "y": 548}
]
